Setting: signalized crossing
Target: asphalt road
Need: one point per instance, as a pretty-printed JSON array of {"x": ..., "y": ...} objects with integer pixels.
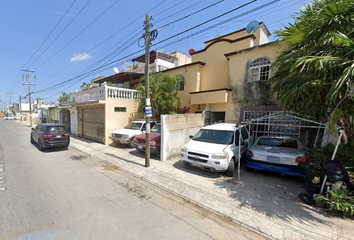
[{"x": 64, "y": 194}]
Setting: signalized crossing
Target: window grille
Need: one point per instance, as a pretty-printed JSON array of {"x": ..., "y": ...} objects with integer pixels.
[
  {"x": 259, "y": 70},
  {"x": 180, "y": 83},
  {"x": 120, "y": 109}
]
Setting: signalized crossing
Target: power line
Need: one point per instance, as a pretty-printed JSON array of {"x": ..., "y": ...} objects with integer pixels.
[
  {"x": 49, "y": 34},
  {"x": 210, "y": 20},
  {"x": 177, "y": 20},
  {"x": 16, "y": 79},
  {"x": 61, "y": 33},
  {"x": 55, "y": 86},
  {"x": 105, "y": 65},
  {"x": 79, "y": 33},
  {"x": 103, "y": 42},
  {"x": 220, "y": 23}
]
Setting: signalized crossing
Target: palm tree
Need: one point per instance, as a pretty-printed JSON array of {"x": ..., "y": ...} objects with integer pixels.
[
  {"x": 64, "y": 97},
  {"x": 314, "y": 75},
  {"x": 164, "y": 96}
]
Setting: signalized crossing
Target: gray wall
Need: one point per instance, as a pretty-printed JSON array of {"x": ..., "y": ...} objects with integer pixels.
[{"x": 175, "y": 132}]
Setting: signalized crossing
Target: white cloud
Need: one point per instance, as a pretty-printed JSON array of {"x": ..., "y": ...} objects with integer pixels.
[{"x": 80, "y": 57}]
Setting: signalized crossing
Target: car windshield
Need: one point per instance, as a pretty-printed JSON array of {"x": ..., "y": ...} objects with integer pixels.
[
  {"x": 56, "y": 130},
  {"x": 156, "y": 129},
  {"x": 214, "y": 136},
  {"x": 277, "y": 142},
  {"x": 134, "y": 126}
]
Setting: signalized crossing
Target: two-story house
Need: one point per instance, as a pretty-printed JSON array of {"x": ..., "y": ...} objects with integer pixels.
[{"x": 228, "y": 78}]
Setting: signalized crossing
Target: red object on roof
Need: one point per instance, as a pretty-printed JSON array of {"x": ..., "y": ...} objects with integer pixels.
[{"x": 191, "y": 51}]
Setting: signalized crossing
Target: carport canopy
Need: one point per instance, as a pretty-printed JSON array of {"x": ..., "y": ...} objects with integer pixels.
[{"x": 285, "y": 124}]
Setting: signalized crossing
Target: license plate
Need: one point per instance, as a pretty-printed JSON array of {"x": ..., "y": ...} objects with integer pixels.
[
  {"x": 273, "y": 159},
  {"x": 140, "y": 147},
  {"x": 58, "y": 136}
]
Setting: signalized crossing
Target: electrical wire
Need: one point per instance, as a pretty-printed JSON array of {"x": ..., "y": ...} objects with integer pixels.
[
  {"x": 172, "y": 36},
  {"x": 49, "y": 34},
  {"x": 78, "y": 34},
  {"x": 103, "y": 42},
  {"x": 16, "y": 79},
  {"x": 105, "y": 65}
]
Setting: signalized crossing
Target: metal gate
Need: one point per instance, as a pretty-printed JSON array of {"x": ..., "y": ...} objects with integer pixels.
[
  {"x": 284, "y": 124},
  {"x": 92, "y": 122}
]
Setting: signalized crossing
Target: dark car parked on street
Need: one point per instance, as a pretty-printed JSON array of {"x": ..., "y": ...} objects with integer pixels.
[{"x": 48, "y": 135}]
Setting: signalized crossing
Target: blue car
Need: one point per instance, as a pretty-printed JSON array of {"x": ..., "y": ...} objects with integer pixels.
[{"x": 279, "y": 154}]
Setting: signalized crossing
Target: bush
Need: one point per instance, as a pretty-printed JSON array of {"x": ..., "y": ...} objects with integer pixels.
[
  {"x": 339, "y": 201},
  {"x": 344, "y": 155}
]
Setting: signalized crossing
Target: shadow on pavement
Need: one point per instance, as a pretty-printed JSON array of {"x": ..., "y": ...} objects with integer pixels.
[{"x": 271, "y": 194}]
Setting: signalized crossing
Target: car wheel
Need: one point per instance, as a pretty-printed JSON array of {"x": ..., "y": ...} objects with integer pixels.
[
  {"x": 131, "y": 143},
  {"x": 231, "y": 169},
  {"x": 32, "y": 141},
  {"x": 158, "y": 153},
  {"x": 40, "y": 145}
]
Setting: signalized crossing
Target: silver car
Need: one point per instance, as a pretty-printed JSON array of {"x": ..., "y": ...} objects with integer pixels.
[{"x": 280, "y": 154}]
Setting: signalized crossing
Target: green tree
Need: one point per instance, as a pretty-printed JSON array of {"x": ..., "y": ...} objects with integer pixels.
[
  {"x": 64, "y": 97},
  {"x": 314, "y": 74},
  {"x": 164, "y": 98}
]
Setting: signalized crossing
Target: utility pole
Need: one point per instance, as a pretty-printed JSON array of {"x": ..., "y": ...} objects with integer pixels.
[
  {"x": 29, "y": 92},
  {"x": 10, "y": 100},
  {"x": 147, "y": 91},
  {"x": 20, "y": 108}
]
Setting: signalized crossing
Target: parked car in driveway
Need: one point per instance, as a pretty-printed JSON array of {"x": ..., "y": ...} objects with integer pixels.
[
  {"x": 280, "y": 154},
  {"x": 155, "y": 140},
  {"x": 126, "y": 135},
  {"x": 216, "y": 147},
  {"x": 48, "y": 135}
]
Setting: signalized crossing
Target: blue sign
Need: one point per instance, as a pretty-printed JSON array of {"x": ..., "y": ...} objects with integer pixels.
[{"x": 148, "y": 111}]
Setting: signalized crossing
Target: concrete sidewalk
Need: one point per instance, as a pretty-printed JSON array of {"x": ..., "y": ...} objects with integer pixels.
[{"x": 263, "y": 202}]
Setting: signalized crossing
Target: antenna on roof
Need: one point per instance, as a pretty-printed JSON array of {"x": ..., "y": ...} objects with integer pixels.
[{"x": 252, "y": 27}]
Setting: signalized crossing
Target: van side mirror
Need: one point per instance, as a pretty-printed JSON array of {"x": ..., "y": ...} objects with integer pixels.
[
  {"x": 32, "y": 128},
  {"x": 190, "y": 136}
]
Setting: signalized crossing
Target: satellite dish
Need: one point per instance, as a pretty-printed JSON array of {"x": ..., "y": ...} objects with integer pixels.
[
  {"x": 191, "y": 51},
  {"x": 116, "y": 70},
  {"x": 252, "y": 27}
]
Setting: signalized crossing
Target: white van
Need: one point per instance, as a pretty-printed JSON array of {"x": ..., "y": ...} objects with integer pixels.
[{"x": 216, "y": 147}]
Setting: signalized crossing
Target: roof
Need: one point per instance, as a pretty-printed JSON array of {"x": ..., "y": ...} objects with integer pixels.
[
  {"x": 185, "y": 65},
  {"x": 240, "y": 30},
  {"x": 142, "y": 57},
  {"x": 227, "y": 55},
  {"x": 120, "y": 77}
]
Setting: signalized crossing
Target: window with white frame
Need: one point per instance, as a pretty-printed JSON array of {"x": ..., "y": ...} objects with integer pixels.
[{"x": 259, "y": 70}]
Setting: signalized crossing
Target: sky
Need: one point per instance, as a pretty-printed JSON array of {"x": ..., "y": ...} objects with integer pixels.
[{"x": 68, "y": 42}]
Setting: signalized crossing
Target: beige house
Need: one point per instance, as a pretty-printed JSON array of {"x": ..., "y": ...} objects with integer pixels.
[{"x": 228, "y": 78}]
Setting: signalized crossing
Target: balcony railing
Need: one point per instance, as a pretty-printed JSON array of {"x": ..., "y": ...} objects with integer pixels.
[{"x": 103, "y": 93}]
